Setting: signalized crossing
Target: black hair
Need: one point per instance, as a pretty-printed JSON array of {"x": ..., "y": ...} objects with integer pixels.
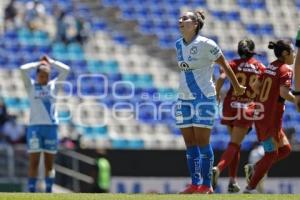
[
  {"x": 246, "y": 48},
  {"x": 280, "y": 46},
  {"x": 199, "y": 17}
]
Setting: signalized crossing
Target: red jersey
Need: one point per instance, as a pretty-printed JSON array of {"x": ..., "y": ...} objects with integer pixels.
[
  {"x": 246, "y": 71},
  {"x": 270, "y": 105},
  {"x": 238, "y": 110}
]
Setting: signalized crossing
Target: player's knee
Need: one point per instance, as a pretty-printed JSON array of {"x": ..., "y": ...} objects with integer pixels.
[
  {"x": 190, "y": 143},
  {"x": 288, "y": 148},
  {"x": 48, "y": 166}
]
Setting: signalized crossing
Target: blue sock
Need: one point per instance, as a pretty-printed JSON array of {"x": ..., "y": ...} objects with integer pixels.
[
  {"x": 49, "y": 182},
  {"x": 193, "y": 161},
  {"x": 207, "y": 161},
  {"x": 31, "y": 184}
]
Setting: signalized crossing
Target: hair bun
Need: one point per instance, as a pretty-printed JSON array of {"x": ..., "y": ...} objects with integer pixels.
[
  {"x": 271, "y": 45},
  {"x": 200, "y": 14}
]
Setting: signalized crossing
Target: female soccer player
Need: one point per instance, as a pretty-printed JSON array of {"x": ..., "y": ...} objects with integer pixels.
[
  {"x": 297, "y": 72},
  {"x": 42, "y": 131},
  {"x": 196, "y": 104},
  {"x": 237, "y": 110},
  {"x": 273, "y": 88}
]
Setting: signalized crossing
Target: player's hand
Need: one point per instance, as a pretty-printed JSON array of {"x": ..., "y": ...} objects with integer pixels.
[
  {"x": 240, "y": 90},
  {"x": 297, "y": 102},
  {"x": 45, "y": 58}
]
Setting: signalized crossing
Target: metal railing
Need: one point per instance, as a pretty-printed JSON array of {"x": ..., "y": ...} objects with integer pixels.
[
  {"x": 14, "y": 165},
  {"x": 73, "y": 170}
]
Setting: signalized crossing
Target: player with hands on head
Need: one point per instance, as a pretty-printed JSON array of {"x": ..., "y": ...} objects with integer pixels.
[{"x": 42, "y": 129}]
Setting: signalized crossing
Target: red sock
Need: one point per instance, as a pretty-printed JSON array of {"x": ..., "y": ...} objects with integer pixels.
[
  {"x": 228, "y": 156},
  {"x": 233, "y": 166},
  {"x": 283, "y": 152},
  {"x": 262, "y": 167}
]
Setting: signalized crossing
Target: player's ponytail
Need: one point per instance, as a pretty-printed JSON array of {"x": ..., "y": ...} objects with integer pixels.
[
  {"x": 200, "y": 20},
  {"x": 246, "y": 48},
  {"x": 280, "y": 46},
  {"x": 271, "y": 45}
]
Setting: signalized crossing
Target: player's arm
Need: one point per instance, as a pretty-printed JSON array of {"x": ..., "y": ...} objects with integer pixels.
[
  {"x": 297, "y": 63},
  {"x": 297, "y": 72},
  {"x": 219, "y": 83},
  {"x": 25, "y": 69},
  {"x": 238, "y": 88},
  {"x": 287, "y": 94}
]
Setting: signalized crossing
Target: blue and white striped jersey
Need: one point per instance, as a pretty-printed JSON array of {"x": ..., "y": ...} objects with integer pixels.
[
  {"x": 195, "y": 61},
  {"x": 42, "y": 97}
]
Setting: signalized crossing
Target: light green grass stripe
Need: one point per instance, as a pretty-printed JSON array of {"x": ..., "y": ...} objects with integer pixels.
[{"x": 81, "y": 196}]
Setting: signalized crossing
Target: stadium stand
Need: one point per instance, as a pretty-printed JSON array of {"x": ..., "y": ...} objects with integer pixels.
[{"x": 115, "y": 67}]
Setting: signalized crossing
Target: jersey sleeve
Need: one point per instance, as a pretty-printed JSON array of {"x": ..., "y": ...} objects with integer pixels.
[
  {"x": 233, "y": 65},
  {"x": 285, "y": 76},
  {"x": 63, "y": 70},
  {"x": 25, "y": 69},
  {"x": 261, "y": 68},
  {"x": 213, "y": 50}
]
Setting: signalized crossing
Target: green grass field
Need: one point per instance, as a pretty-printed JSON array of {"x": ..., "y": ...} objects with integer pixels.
[{"x": 81, "y": 196}]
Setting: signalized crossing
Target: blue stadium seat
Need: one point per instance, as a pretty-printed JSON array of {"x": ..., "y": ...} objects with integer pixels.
[
  {"x": 258, "y": 4},
  {"x": 98, "y": 25},
  {"x": 110, "y": 66},
  {"x": 253, "y": 29},
  {"x": 94, "y": 66},
  {"x": 10, "y": 35},
  {"x": 40, "y": 37},
  {"x": 113, "y": 77},
  {"x": 266, "y": 29},
  {"x": 99, "y": 131},
  {"x": 135, "y": 144},
  {"x": 75, "y": 51},
  {"x": 230, "y": 55},
  {"x": 130, "y": 77},
  {"x": 119, "y": 143},
  {"x": 59, "y": 47},
  {"x": 109, "y": 3},
  {"x": 11, "y": 45},
  {"x": 119, "y": 38}
]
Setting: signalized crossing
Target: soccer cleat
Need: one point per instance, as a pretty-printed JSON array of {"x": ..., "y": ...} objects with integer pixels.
[
  {"x": 250, "y": 191},
  {"x": 215, "y": 176},
  {"x": 190, "y": 189},
  {"x": 203, "y": 189},
  {"x": 233, "y": 188},
  {"x": 249, "y": 171}
]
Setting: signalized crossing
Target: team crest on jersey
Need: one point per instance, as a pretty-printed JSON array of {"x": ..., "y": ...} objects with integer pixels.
[
  {"x": 194, "y": 50},
  {"x": 41, "y": 94},
  {"x": 184, "y": 66}
]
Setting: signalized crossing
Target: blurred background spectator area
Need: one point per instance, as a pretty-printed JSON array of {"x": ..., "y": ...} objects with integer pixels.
[{"x": 121, "y": 41}]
